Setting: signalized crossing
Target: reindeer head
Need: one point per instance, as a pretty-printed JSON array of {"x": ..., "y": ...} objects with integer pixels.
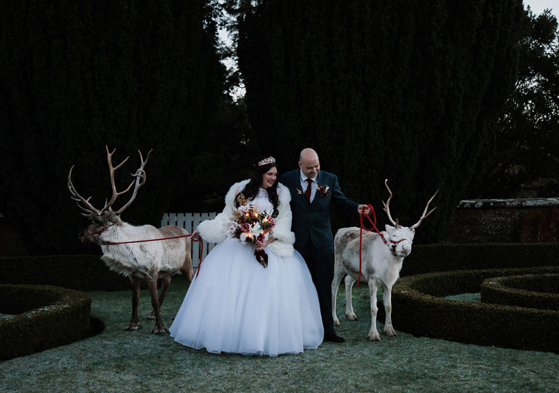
[
  {"x": 99, "y": 224},
  {"x": 103, "y": 219},
  {"x": 401, "y": 238}
]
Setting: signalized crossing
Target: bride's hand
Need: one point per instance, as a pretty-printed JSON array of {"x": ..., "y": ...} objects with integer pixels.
[{"x": 260, "y": 245}]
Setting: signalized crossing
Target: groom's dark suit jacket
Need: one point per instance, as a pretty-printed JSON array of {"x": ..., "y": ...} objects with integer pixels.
[{"x": 312, "y": 220}]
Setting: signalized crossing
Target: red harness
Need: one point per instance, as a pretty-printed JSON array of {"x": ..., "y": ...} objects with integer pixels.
[
  {"x": 98, "y": 233},
  {"x": 392, "y": 247},
  {"x": 195, "y": 239}
]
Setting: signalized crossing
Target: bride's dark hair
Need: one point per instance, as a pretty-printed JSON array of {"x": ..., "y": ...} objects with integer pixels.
[{"x": 253, "y": 186}]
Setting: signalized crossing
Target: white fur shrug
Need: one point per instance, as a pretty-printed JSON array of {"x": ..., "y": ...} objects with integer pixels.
[{"x": 215, "y": 231}]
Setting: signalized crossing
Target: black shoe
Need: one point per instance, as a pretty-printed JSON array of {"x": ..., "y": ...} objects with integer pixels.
[{"x": 333, "y": 336}]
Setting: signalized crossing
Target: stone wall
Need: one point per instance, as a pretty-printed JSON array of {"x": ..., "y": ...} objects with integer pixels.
[{"x": 495, "y": 220}]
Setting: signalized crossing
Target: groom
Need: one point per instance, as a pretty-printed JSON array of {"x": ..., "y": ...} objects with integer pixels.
[{"x": 312, "y": 191}]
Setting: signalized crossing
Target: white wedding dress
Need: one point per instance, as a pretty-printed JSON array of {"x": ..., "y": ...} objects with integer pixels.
[{"x": 236, "y": 305}]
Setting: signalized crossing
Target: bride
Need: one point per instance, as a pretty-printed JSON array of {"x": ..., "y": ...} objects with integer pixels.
[{"x": 238, "y": 305}]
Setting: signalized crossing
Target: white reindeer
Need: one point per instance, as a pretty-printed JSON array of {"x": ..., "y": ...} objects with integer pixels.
[
  {"x": 382, "y": 259},
  {"x": 126, "y": 251}
]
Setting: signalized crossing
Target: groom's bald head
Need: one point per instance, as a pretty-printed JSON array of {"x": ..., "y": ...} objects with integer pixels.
[{"x": 309, "y": 163}]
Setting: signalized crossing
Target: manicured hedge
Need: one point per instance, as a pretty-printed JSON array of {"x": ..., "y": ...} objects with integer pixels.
[
  {"x": 534, "y": 291},
  {"x": 418, "y": 310},
  {"x": 46, "y": 317},
  {"x": 418, "y": 307},
  {"x": 80, "y": 272},
  {"x": 89, "y": 273},
  {"x": 446, "y": 257}
]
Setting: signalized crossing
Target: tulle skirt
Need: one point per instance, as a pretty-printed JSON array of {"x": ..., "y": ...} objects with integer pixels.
[{"x": 237, "y": 306}]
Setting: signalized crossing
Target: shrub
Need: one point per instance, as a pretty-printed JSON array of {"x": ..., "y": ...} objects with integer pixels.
[
  {"x": 418, "y": 308},
  {"x": 446, "y": 257},
  {"x": 46, "y": 317},
  {"x": 534, "y": 291},
  {"x": 79, "y": 272}
]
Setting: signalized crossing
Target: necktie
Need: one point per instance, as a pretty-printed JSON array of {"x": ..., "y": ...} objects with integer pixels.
[{"x": 308, "y": 190}]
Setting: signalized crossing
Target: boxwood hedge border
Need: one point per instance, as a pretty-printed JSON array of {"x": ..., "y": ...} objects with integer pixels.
[
  {"x": 89, "y": 273},
  {"x": 534, "y": 290},
  {"x": 418, "y": 307},
  {"x": 432, "y": 258},
  {"x": 80, "y": 272},
  {"x": 43, "y": 317}
]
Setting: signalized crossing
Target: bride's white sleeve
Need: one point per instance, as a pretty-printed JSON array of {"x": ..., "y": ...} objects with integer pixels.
[
  {"x": 215, "y": 231},
  {"x": 285, "y": 239}
]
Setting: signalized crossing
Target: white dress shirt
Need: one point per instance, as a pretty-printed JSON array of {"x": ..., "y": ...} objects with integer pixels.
[{"x": 305, "y": 184}]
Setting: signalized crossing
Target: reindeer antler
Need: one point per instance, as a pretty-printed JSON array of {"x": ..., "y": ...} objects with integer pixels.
[
  {"x": 112, "y": 171},
  {"x": 140, "y": 179},
  {"x": 423, "y": 216},
  {"x": 78, "y": 198},
  {"x": 386, "y": 205},
  {"x": 140, "y": 176}
]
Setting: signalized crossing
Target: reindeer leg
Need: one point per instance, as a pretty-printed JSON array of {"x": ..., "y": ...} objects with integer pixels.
[
  {"x": 158, "y": 328},
  {"x": 186, "y": 268},
  {"x": 134, "y": 320},
  {"x": 349, "y": 313},
  {"x": 387, "y": 299},
  {"x": 338, "y": 274},
  {"x": 164, "y": 289},
  {"x": 373, "y": 333}
]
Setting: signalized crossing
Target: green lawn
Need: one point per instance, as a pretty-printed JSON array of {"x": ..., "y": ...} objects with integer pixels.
[{"x": 120, "y": 361}]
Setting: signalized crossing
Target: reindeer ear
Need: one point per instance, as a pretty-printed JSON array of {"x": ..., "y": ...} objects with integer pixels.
[{"x": 390, "y": 229}]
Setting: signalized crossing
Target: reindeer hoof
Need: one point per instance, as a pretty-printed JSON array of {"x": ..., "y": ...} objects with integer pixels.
[
  {"x": 133, "y": 326},
  {"x": 351, "y": 317},
  {"x": 337, "y": 322},
  {"x": 159, "y": 330},
  {"x": 152, "y": 315},
  {"x": 390, "y": 331},
  {"x": 373, "y": 337}
]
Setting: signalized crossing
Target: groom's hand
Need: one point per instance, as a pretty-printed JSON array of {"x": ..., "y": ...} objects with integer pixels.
[{"x": 363, "y": 209}]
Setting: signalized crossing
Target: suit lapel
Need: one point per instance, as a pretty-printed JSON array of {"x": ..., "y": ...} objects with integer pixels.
[
  {"x": 297, "y": 181},
  {"x": 317, "y": 194},
  {"x": 294, "y": 186}
]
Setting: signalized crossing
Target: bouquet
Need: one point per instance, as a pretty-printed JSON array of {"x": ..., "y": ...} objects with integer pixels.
[{"x": 251, "y": 226}]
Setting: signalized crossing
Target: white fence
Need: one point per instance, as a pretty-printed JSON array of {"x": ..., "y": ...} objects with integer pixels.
[{"x": 190, "y": 221}]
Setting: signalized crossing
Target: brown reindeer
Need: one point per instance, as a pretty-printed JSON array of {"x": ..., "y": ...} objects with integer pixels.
[{"x": 136, "y": 251}]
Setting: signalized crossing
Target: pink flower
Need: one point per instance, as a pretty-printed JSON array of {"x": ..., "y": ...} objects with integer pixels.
[{"x": 260, "y": 240}]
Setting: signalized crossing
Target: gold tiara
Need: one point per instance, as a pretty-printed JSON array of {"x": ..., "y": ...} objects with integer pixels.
[{"x": 269, "y": 160}]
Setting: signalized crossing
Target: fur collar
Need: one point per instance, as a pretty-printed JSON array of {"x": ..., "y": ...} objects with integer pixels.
[{"x": 284, "y": 196}]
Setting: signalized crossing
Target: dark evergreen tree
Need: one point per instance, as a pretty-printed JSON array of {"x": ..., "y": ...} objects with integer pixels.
[
  {"x": 406, "y": 90},
  {"x": 527, "y": 159},
  {"x": 76, "y": 76}
]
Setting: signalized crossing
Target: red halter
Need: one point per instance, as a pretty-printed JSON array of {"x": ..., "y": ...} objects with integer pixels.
[{"x": 374, "y": 223}]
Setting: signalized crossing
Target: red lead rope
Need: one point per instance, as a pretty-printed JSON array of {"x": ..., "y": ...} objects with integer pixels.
[
  {"x": 194, "y": 238},
  {"x": 374, "y": 223}
]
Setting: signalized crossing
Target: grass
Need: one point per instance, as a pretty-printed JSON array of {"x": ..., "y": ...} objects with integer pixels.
[{"x": 121, "y": 361}]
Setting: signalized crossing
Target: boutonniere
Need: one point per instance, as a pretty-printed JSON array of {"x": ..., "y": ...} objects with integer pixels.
[
  {"x": 299, "y": 192},
  {"x": 323, "y": 190}
]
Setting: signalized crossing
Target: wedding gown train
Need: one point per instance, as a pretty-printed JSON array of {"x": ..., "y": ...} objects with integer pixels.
[{"x": 235, "y": 305}]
